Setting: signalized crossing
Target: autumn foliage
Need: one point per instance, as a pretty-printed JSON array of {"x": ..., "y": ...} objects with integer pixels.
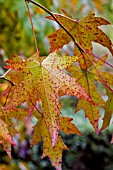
[{"x": 39, "y": 82}]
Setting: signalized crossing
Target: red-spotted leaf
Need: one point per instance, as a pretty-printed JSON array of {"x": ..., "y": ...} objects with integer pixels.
[
  {"x": 41, "y": 133},
  {"x": 5, "y": 137},
  {"x": 43, "y": 81},
  {"x": 83, "y": 31},
  {"x": 7, "y": 129},
  {"x": 86, "y": 79},
  {"x": 8, "y": 115},
  {"x": 67, "y": 126}
]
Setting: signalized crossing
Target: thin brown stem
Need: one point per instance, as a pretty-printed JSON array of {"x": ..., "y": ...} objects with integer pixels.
[{"x": 30, "y": 16}]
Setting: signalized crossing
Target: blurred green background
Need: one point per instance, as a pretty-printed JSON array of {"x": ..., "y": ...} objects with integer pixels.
[{"x": 87, "y": 152}]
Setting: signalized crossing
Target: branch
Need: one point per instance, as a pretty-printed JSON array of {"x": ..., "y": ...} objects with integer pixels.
[
  {"x": 12, "y": 84},
  {"x": 2, "y": 77}
]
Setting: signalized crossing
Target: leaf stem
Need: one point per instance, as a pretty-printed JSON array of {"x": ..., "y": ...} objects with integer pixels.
[
  {"x": 33, "y": 32},
  {"x": 36, "y": 108},
  {"x": 99, "y": 59},
  {"x": 103, "y": 81}
]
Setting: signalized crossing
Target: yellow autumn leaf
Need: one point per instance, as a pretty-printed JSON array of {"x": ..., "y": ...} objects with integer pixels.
[{"x": 43, "y": 81}]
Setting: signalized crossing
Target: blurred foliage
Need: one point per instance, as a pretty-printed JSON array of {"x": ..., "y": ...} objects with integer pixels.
[
  {"x": 108, "y": 10},
  {"x": 16, "y": 34},
  {"x": 87, "y": 152}
]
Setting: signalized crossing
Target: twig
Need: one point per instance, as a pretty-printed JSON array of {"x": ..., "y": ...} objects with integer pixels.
[
  {"x": 12, "y": 84},
  {"x": 2, "y": 77}
]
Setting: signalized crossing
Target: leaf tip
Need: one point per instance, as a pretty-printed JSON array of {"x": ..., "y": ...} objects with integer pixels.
[
  {"x": 112, "y": 140},
  {"x": 97, "y": 131}
]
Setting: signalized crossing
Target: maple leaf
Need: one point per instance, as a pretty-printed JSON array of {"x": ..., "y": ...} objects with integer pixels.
[
  {"x": 7, "y": 146},
  {"x": 108, "y": 109},
  {"x": 5, "y": 137},
  {"x": 83, "y": 31},
  {"x": 7, "y": 129},
  {"x": 41, "y": 133},
  {"x": 17, "y": 113},
  {"x": 87, "y": 80},
  {"x": 7, "y": 115},
  {"x": 43, "y": 81},
  {"x": 108, "y": 78},
  {"x": 67, "y": 126}
]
